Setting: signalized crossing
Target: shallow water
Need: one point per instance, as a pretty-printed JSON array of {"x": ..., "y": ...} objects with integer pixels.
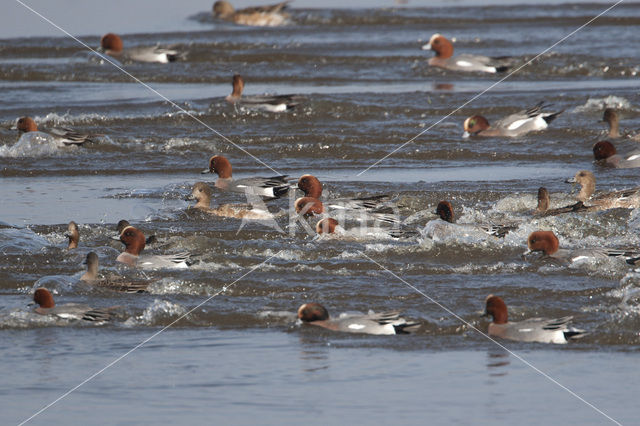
[{"x": 241, "y": 356}]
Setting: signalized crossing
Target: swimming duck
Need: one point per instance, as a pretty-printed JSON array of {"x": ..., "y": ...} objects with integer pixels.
[
  {"x": 73, "y": 235},
  {"x": 270, "y": 103},
  {"x": 476, "y": 63},
  {"x": 112, "y": 45},
  {"x": 604, "y": 152},
  {"x": 384, "y": 323},
  {"x": 445, "y": 211},
  {"x": 124, "y": 223},
  {"x": 627, "y": 198},
  {"x": 113, "y": 283},
  {"x": 547, "y": 243},
  {"x": 540, "y": 330},
  {"x": 202, "y": 193},
  {"x": 76, "y": 311},
  {"x": 271, "y": 187},
  {"x": 259, "y": 16},
  {"x": 514, "y": 125},
  {"x": 63, "y": 136},
  {"x": 329, "y": 225},
  {"x": 134, "y": 241}
]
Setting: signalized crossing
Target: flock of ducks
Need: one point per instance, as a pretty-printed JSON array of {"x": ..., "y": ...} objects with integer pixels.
[{"x": 313, "y": 205}]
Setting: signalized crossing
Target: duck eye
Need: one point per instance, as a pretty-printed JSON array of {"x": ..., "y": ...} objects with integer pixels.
[{"x": 472, "y": 123}]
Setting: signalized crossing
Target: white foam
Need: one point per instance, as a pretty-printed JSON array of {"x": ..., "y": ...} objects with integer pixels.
[
  {"x": 598, "y": 104},
  {"x": 32, "y": 144}
]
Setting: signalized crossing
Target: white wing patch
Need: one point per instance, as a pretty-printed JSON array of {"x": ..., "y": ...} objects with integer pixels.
[
  {"x": 518, "y": 123},
  {"x": 356, "y": 326},
  {"x": 464, "y": 63},
  {"x": 633, "y": 157},
  {"x": 579, "y": 258}
]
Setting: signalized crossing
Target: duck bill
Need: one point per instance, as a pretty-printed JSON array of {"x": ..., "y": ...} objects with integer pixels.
[
  {"x": 466, "y": 135},
  {"x": 570, "y": 180},
  {"x": 205, "y": 171},
  {"x": 526, "y": 254},
  {"x": 426, "y": 46}
]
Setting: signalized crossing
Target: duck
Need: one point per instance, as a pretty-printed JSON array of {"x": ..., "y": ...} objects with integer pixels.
[
  {"x": 202, "y": 193},
  {"x": 309, "y": 206},
  {"x": 331, "y": 226},
  {"x": 258, "y": 16},
  {"x": 544, "y": 201},
  {"x": 470, "y": 63},
  {"x": 134, "y": 241},
  {"x": 111, "y": 44},
  {"x": 514, "y": 125},
  {"x": 152, "y": 239},
  {"x": 269, "y": 103},
  {"x": 548, "y": 244},
  {"x": 69, "y": 311},
  {"x": 113, "y": 283},
  {"x": 312, "y": 188},
  {"x": 63, "y": 136},
  {"x": 444, "y": 210},
  {"x": 627, "y": 198},
  {"x": 610, "y": 116},
  {"x": 73, "y": 235},
  {"x": 269, "y": 187},
  {"x": 384, "y": 323},
  {"x": 541, "y": 330},
  {"x": 605, "y": 154}
]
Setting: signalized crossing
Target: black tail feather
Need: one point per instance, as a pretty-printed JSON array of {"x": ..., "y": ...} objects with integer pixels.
[{"x": 549, "y": 118}]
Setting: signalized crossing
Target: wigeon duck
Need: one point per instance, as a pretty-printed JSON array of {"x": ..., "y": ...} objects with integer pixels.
[
  {"x": 202, "y": 194},
  {"x": 270, "y": 103},
  {"x": 309, "y": 206},
  {"x": 627, "y": 198},
  {"x": 544, "y": 201},
  {"x": 384, "y": 323},
  {"x": 259, "y": 16},
  {"x": 62, "y": 135},
  {"x": 610, "y": 117},
  {"x": 604, "y": 152},
  {"x": 111, "y": 282},
  {"x": 271, "y": 187},
  {"x": 444, "y": 58},
  {"x": 312, "y": 187},
  {"x": 445, "y": 211},
  {"x": 73, "y": 235},
  {"x": 548, "y": 244},
  {"x": 46, "y": 306},
  {"x": 112, "y": 45},
  {"x": 124, "y": 223},
  {"x": 329, "y": 225},
  {"x": 134, "y": 241},
  {"x": 514, "y": 125},
  {"x": 540, "y": 330}
]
